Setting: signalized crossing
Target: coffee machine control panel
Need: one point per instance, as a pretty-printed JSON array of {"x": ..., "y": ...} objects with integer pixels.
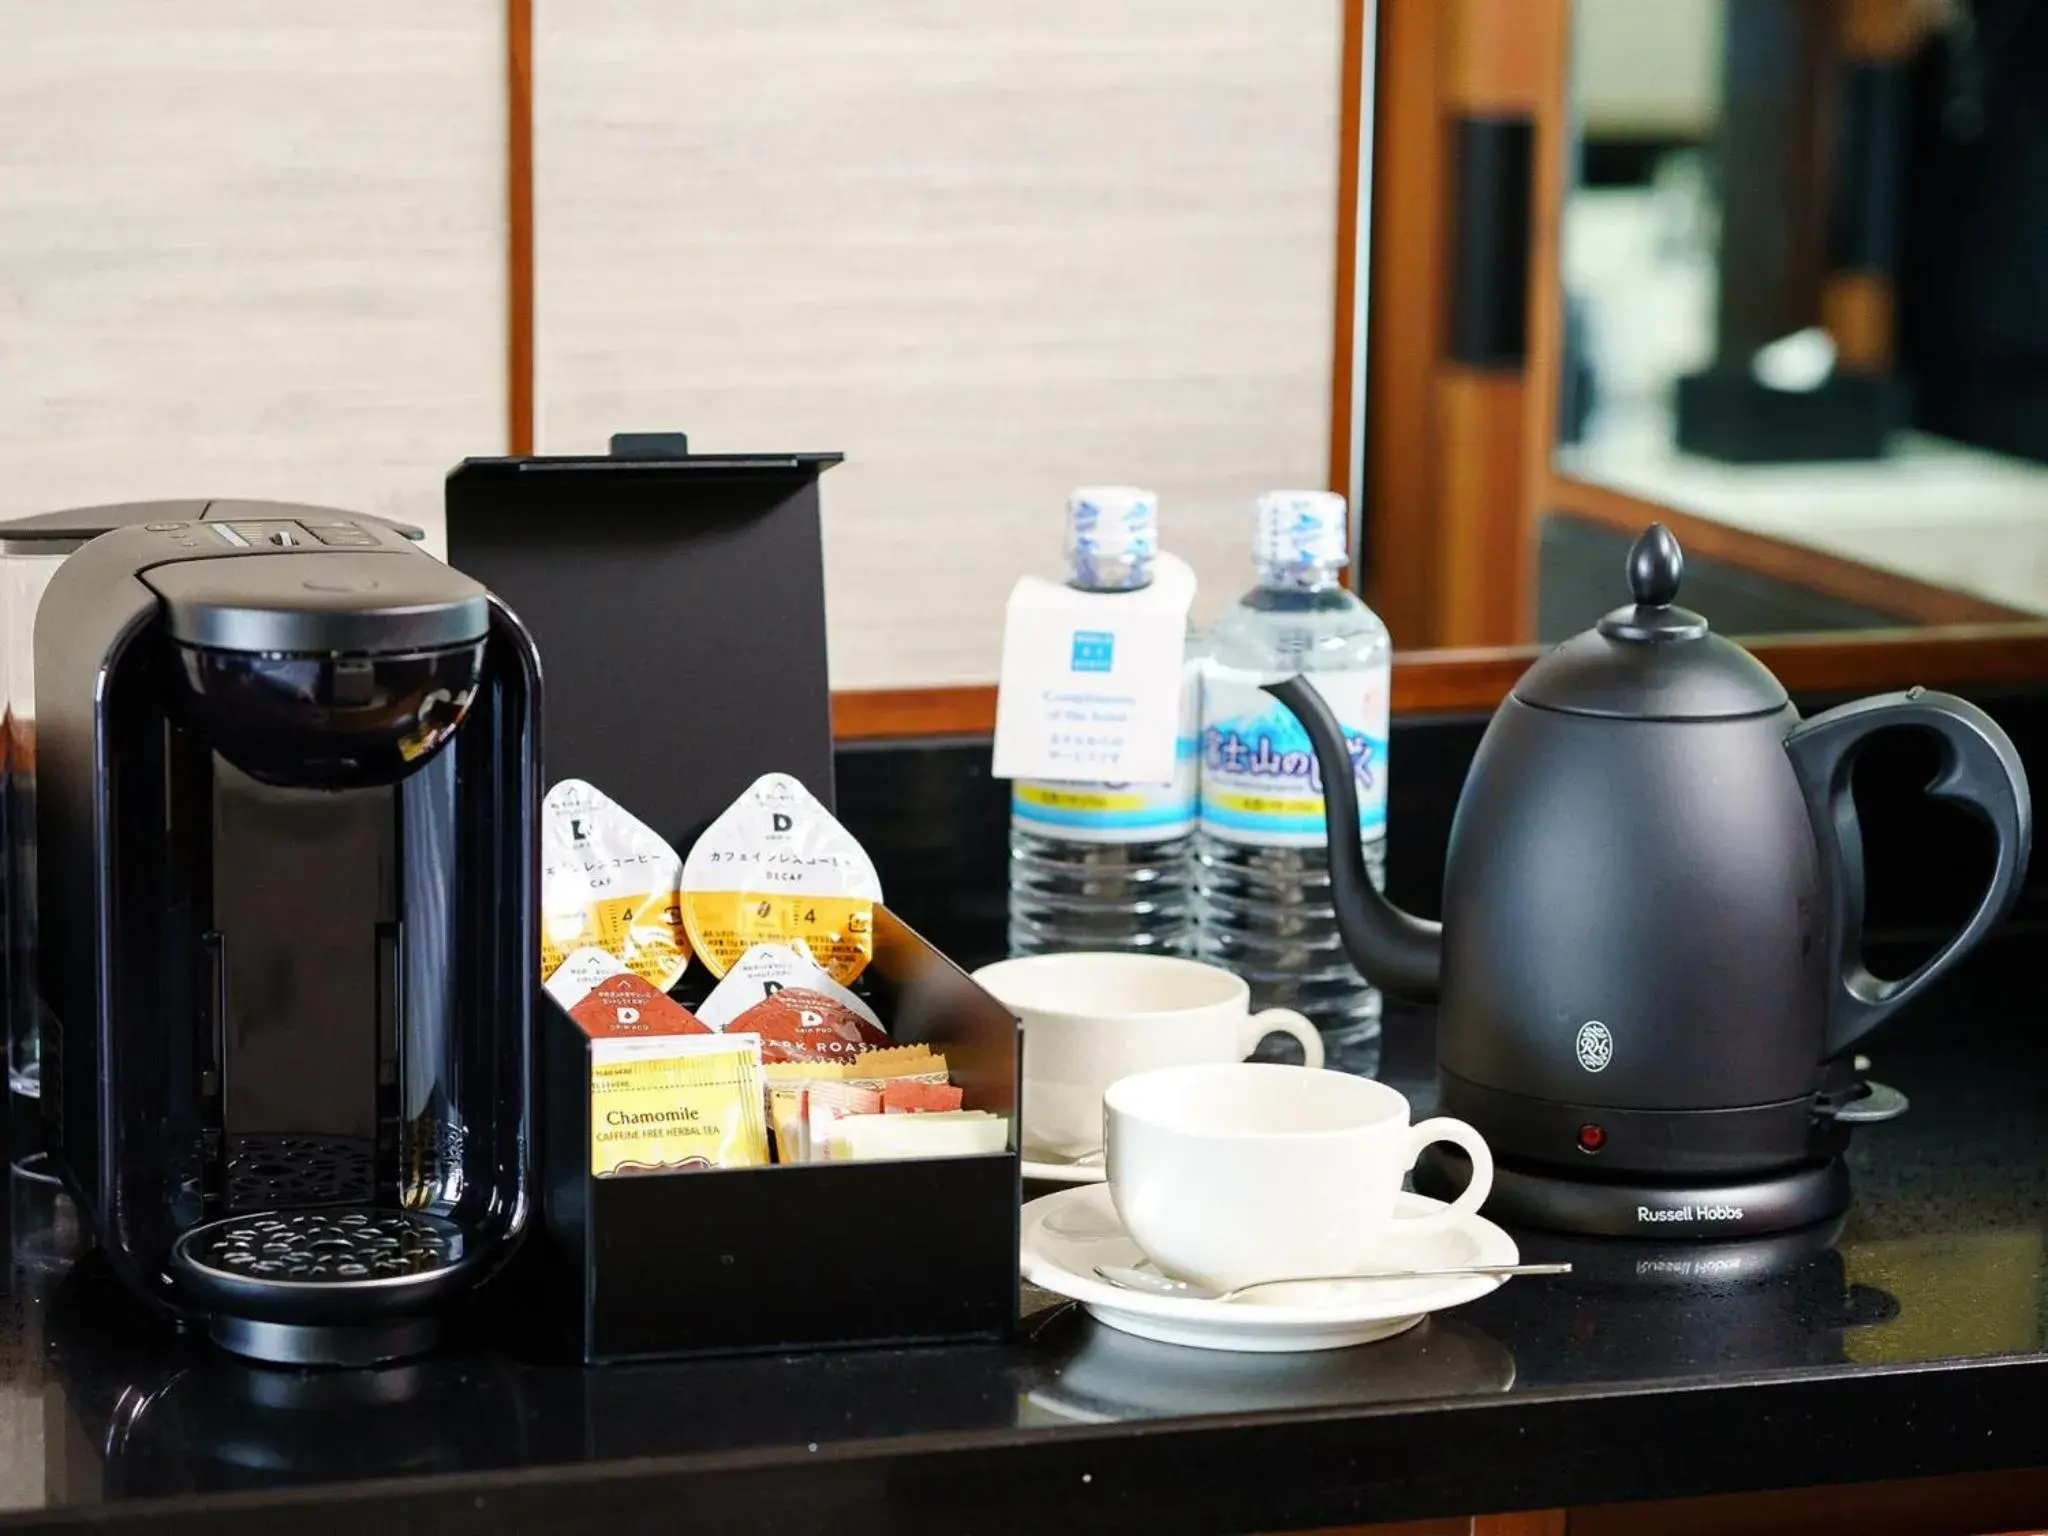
[
  {"x": 277, "y": 533},
  {"x": 334, "y": 535}
]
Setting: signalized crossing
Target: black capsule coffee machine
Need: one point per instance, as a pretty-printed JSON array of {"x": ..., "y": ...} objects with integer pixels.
[
  {"x": 287, "y": 843},
  {"x": 1650, "y": 963}
]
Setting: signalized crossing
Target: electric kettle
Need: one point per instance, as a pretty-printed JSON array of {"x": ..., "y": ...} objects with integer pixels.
[{"x": 1649, "y": 967}]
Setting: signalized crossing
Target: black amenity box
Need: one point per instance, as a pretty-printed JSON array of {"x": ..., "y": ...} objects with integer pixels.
[{"x": 679, "y": 606}]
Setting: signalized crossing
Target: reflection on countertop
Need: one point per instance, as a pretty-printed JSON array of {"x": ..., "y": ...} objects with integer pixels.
[{"x": 1940, "y": 1260}]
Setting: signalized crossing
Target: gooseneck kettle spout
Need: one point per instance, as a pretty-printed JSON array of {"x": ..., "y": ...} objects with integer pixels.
[{"x": 1395, "y": 951}]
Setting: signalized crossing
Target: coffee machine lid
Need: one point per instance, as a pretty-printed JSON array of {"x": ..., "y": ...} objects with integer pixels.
[
  {"x": 327, "y": 602},
  {"x": 57, "y": 533},
  {"x": 1652, "y": 660}
]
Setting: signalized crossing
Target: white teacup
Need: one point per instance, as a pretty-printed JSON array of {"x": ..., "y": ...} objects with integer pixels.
[
  {"x": 1243, "y": 1172},
  {"x": 1090, "y": 1019}
]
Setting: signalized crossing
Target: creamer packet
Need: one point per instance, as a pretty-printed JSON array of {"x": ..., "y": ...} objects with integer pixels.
[
  {"x": 949, "y": 1133},
  {"x": 775, "y": 868},
  {"x": 608, "y": 882}
]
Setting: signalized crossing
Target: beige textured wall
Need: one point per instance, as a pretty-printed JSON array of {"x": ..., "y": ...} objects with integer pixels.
[
  {"x": 249, "y": 248},
  {"x": 257, "y": 248},
  {"x": 990, "y": 251}
]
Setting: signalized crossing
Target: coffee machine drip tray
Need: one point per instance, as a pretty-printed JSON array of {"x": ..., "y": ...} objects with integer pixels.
[
  {"x": 1702, "y": 1210},
  {"x": 328, "y": 1285},
  {"x": 265, "y": 1171}
]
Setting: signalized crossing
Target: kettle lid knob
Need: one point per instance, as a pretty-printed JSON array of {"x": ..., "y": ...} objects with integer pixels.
[{"x": 1655, "y": 563}]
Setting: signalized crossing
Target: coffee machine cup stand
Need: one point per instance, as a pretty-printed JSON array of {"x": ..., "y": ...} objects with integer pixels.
[
  {"x": 1650, "y": 973},
  {"x": 678, "y": 600},
  {"x": 286, "y": 837}
]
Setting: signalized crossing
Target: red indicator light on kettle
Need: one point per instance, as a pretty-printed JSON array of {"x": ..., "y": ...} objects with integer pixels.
[{"x": 1592, "y": 1138}]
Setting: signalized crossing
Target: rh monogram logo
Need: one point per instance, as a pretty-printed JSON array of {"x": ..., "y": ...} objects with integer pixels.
[{"x": 1595, "y": 1046}]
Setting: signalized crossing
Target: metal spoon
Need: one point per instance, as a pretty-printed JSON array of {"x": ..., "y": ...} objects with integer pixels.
[{"x": 1161, "y": 1285}]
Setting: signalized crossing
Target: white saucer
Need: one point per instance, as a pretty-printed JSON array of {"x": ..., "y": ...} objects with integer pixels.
[
  {"x": 1065, "y": 1173},
  {"x": 1067, "y": 1234}
]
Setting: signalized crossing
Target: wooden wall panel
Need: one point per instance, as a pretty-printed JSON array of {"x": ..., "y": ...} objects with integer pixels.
[
  {"x": 250, "y": 248},
  {"x": 1407, "y": 311},
  {"x": 989, "y": 251}
]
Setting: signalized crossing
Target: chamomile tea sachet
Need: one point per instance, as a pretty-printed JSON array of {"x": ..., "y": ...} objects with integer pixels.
[
  {"x": 776, "y": 868},
  {"x": 676, "y": 1104},
  {"x": 608, "y": 882}
]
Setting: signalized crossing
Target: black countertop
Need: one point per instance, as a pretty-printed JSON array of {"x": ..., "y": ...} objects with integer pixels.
[{"x": 1912, "y": 1341}]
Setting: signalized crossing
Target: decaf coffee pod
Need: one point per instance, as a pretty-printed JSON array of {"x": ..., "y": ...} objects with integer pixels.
[
  {"x": 608, "y": 882},
  {"x": 776, "y": 868},
  {"x": 800, "y": 1025}
]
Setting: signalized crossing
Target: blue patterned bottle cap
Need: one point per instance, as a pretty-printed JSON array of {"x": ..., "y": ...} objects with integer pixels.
[
  {"x": 1112, "y": 535},
  {"x": 1300, "y": 528}
]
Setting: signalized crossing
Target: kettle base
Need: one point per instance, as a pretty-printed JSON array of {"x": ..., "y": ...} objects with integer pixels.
[{"x": 1697, "y": 1211}]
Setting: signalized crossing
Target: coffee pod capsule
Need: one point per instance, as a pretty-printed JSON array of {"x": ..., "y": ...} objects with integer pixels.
[
  {"x": 579, "y": 974},
  {"x": 765, "y": 970},
  {"x": 776, "y": 868},
  {"x": 608, "y": 882},
  {"x": 626, "y": 1006},
  {"x": 800, "y": 1025}
]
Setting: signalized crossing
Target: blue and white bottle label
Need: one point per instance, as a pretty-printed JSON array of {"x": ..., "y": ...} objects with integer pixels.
[
  {"x": 1260, "y": 782},
  {"x": 1119, "y": 813}
]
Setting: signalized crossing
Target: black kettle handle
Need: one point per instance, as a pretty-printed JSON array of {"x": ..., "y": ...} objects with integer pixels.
[{"x": 1980, "y": 768}]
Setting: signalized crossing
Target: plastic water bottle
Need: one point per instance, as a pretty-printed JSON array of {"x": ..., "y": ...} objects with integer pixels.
[
  {"x": 1264, "y": 886},
  {"x": 1108, "y": 866}
]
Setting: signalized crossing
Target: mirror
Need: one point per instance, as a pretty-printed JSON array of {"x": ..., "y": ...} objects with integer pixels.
[{"x": 1804, "y": 262}]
